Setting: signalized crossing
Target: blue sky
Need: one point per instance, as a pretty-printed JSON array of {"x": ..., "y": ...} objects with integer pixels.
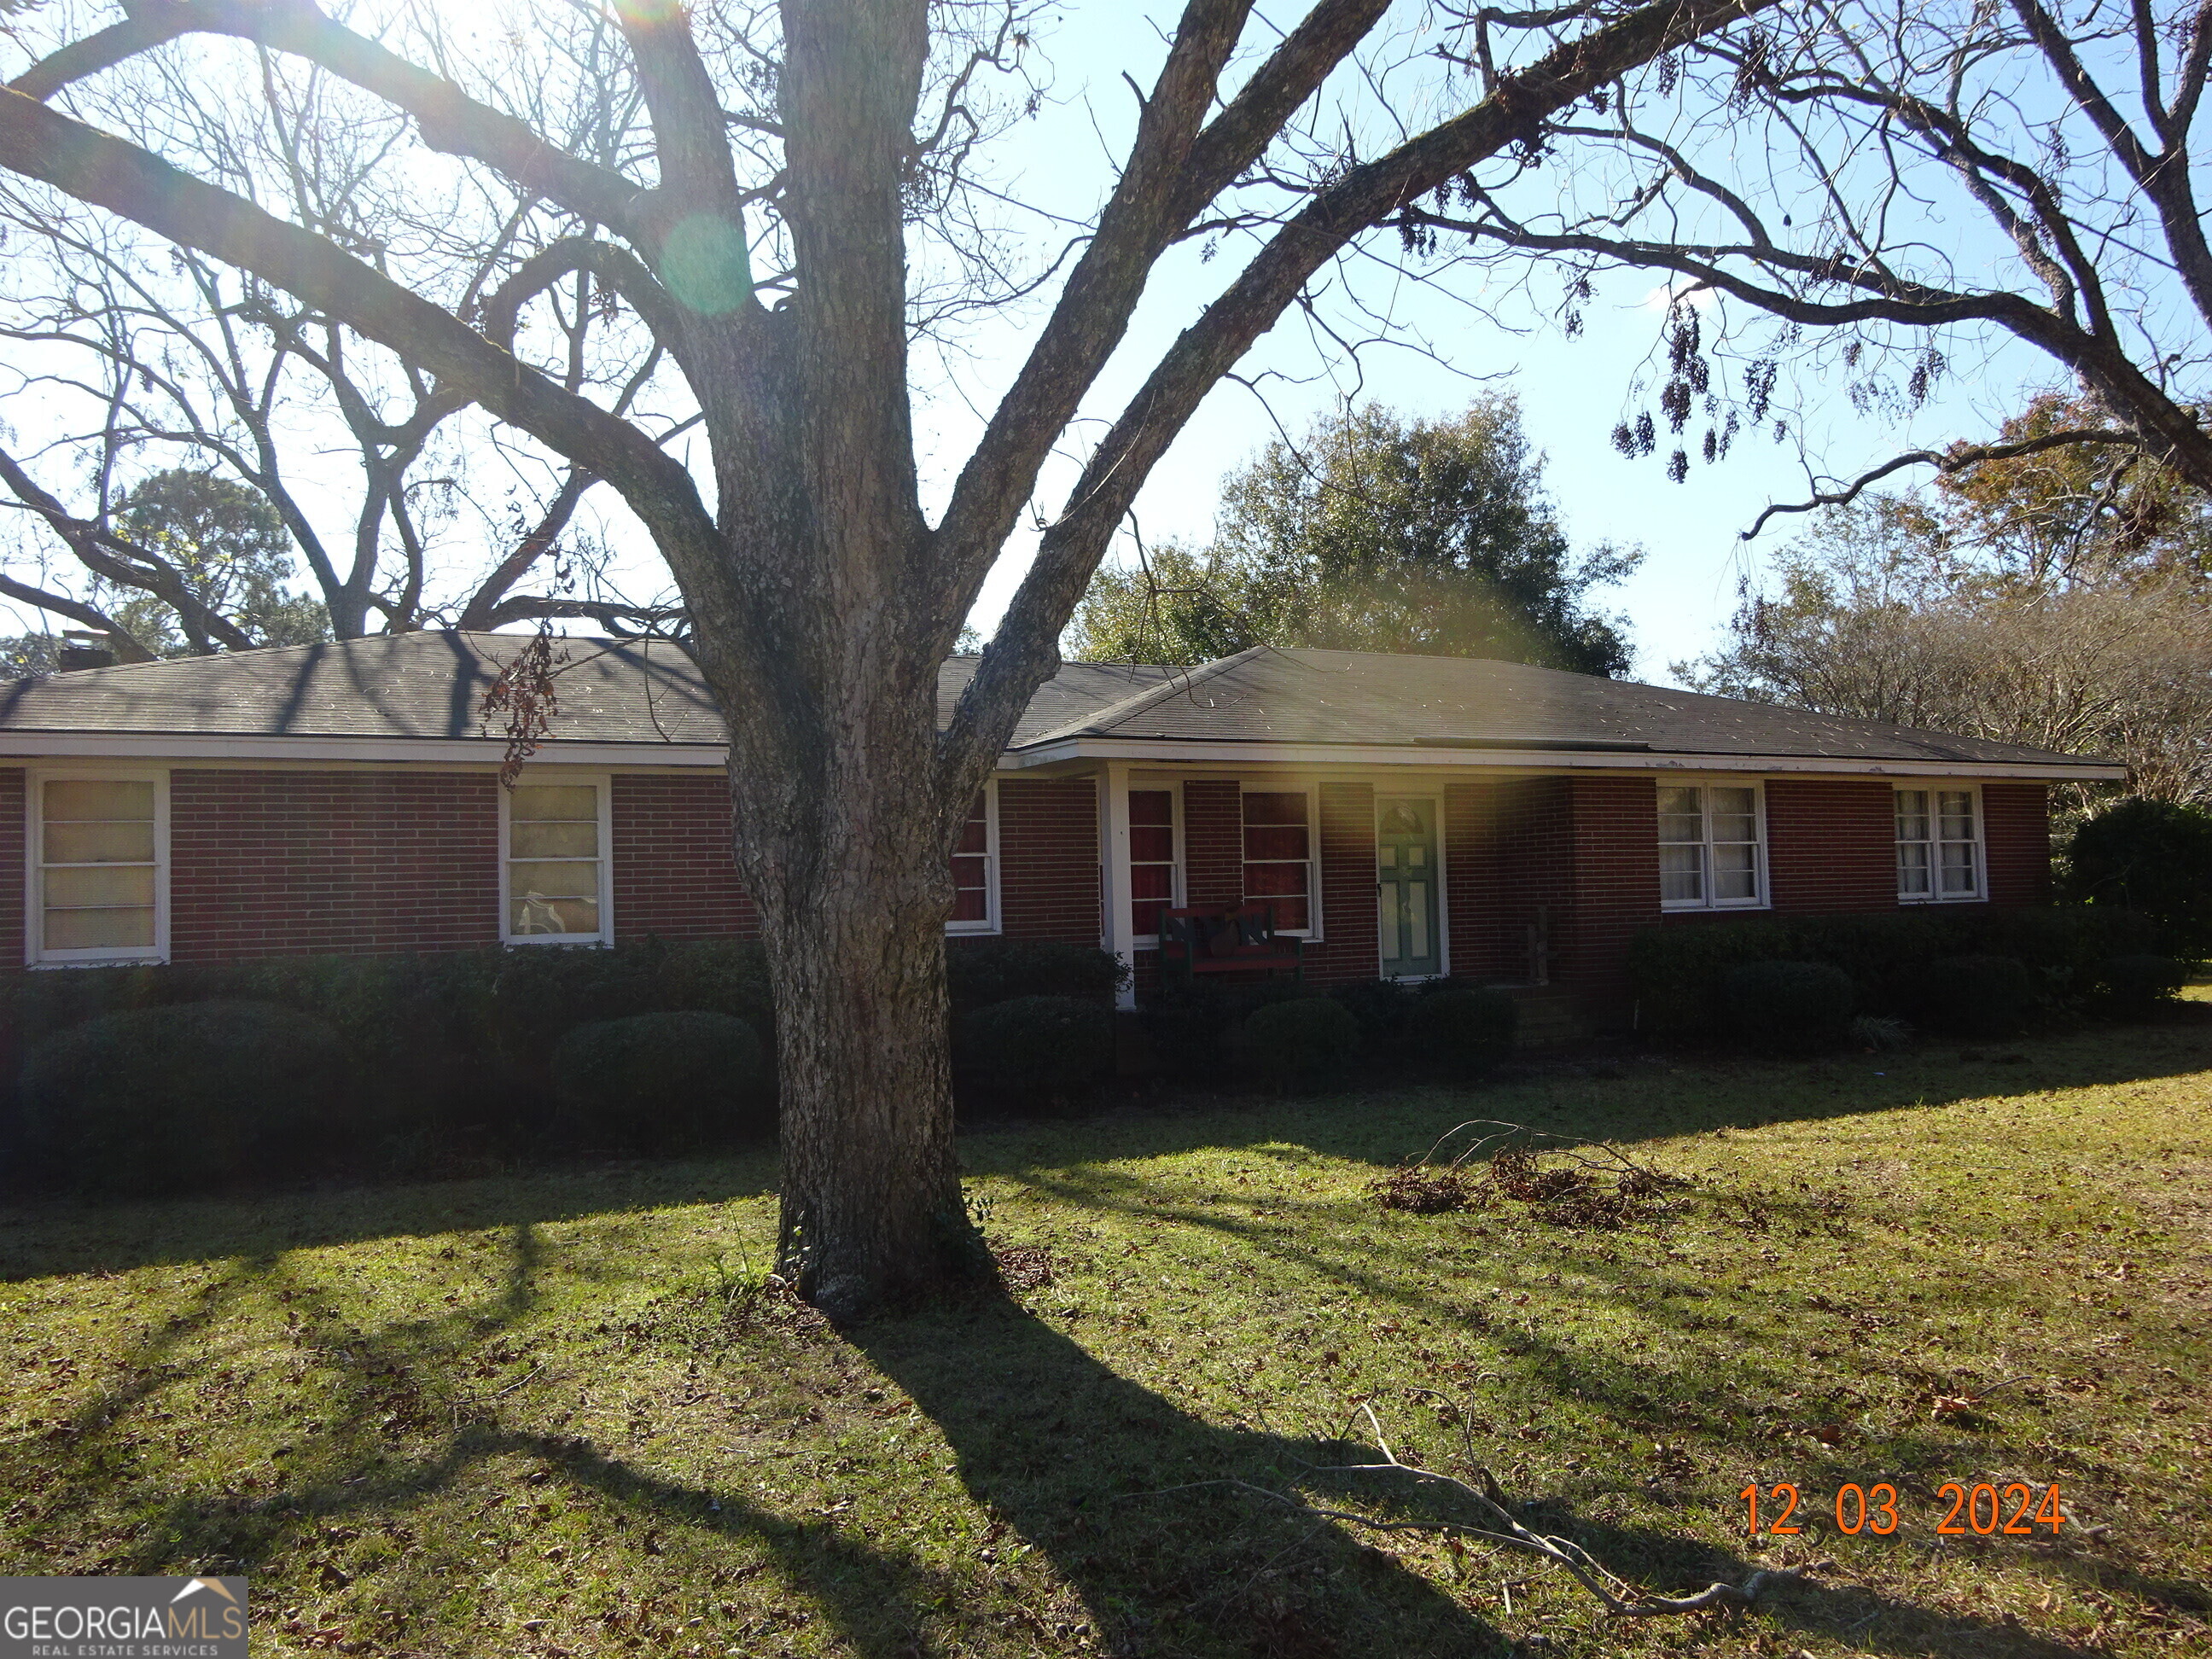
[{"x": 1571, "y": 390}]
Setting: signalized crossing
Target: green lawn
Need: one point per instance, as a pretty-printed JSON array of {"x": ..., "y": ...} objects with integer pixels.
[{"x": 554, "y": 1414}]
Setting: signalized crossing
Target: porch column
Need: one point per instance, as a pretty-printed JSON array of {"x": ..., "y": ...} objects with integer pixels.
[{"x": 1117, "y": 934}]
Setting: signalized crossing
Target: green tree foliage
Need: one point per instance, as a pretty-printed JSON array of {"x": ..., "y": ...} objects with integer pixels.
[
  {"x": 232, "y": 552},
  {"x": 1374, "y": 533},
  {"x": 2154, "y": 856}
]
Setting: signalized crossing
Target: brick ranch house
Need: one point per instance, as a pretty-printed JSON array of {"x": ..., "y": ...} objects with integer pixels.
[{"x": 1408, "y": 816}]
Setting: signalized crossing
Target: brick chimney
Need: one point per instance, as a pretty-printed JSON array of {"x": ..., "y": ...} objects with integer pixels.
[{"x": 85, "y": 648}]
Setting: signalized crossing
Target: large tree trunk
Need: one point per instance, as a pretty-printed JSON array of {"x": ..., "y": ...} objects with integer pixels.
[{"x": 854, "y": 884}]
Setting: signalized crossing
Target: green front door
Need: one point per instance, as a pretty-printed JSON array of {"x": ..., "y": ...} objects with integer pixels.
[{"x": 1405, "y": 884}]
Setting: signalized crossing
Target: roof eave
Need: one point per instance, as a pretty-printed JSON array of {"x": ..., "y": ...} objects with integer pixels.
[{"x": 1215, "y": 751}]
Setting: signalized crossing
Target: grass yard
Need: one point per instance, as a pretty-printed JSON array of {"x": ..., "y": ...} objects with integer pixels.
[{"x": 555, "y": 1413}]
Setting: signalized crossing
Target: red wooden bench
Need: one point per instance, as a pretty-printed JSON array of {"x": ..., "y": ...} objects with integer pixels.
[{"x": 1228, "y": 939}]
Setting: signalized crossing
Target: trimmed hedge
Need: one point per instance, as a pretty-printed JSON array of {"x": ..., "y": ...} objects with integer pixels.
[
  {"x": 1380, "y": 1006},
  {"x": 455, "y": 1050},
  {"x": 1297, "y": 1043},
  {"x": 981, "y": 972},
  {"x": 1462, "y": 1026},
  {"x": 1036, "y": 1052},
  {"x": 1788, "y": 1006},
  {"x": 2137, "y": 984},
  {"x": 1982, "y": 996},
  {"x": 178, "y": 1099},
  {"x": 662, "y": 1083},
  {"x": 1679, "y": 971}
]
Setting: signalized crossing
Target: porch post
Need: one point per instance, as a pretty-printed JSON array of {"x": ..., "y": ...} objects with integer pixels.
[{"x": 1117, "y": 934}]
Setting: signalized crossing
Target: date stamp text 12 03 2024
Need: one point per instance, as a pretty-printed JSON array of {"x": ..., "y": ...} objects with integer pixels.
[{"x": 2011, "y": 1509}]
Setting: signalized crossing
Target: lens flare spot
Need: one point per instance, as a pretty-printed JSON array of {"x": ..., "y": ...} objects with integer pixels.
[{"x": 704, "y": 264}]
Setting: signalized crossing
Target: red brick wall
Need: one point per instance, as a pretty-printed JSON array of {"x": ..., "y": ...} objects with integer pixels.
[
  {"x": 280, "y": 863},
  {"x": 1212, "y": 843},
  {"x": 1474, "y": 885},
  {"x": 1616, "y": 880},
  {"x": 2016, "y": 837},
  {"x": 12, "y": 854},
  {"x": 1534, "y": 843},
  {"x": 1831, "y": 844},
  {"x": 674, "y": 875},
  {"x": 1349, "y": 944},
  {"x": 1048, "y": 859}
]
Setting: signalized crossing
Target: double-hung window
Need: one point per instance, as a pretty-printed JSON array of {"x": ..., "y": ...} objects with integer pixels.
[
  {"x": 1280, "y": 855},
  {"x": 99, "y": 868},
  {"x": 976, "y": 869},
  {"x": 1939, "y": 846},
  {"x": 556, "y": 836},
  {"x": 1151, "y": 860},
  {"x": 1710, "y": 852}
]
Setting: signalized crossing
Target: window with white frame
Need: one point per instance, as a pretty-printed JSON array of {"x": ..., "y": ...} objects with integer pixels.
[
  {"x": 99, "y": 868},
  {"x": 1278, "y": 855},
  {"x": 1152, "y": 863},
  {"x": 1939, "y": 846},
  {"x": 976, "y": 869},
  {"x": 556, "y": 837},
  {"x": 1709, "y": 856}
]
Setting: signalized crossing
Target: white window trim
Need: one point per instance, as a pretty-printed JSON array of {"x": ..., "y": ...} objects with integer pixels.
[
  {"x": 603, "y": 783},
  {"x": 989, "y": 925},
  {"x": 1311, "y": 791},
  {"x": 34, "y": 905},
  {"x": 1705, "y": 783},
  {"x": 1176, "y": 893},
  {"x": 1932, "y": 787}
]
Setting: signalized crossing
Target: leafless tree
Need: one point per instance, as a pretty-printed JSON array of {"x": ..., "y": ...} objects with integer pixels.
[
  {"x": 1885, "y": 184},
  {"x": 759, "y": 223},
  {"x": 135, "y": 352},
  {"x": 1873, "y": 616}
]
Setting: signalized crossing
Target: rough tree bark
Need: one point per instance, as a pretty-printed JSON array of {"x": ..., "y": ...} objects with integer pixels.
[{"x": 821, "y": 600}]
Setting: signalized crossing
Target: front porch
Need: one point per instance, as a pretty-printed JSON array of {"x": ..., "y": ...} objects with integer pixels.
[{"x": 1529, "y": 883}]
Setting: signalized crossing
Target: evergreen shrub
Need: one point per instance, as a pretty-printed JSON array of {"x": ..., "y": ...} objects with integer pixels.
[
  {"x": 1679, "y": 973},
  {"x": 1461, "y": 1026},
  {"x": 2136, "y": 985},
  {"x": 182, "y": 1097},
  {"x": 1036, "y": 1051},
  {"x": 1790, "y": 1007},
  {"x": 1300, "y": 1042},
  {"x": 662, "y": 1083},
  {"x": 1976, "y": 996},
  {"x": 1380, "y": 1006}
]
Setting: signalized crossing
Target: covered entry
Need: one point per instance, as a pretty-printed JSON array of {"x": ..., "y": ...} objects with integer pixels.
[{"x": 1409, "y": 922}]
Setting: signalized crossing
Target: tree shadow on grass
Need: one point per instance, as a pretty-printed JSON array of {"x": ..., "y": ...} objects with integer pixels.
[
  {"x": 1126, "y": 1493},
  {"x": 1119, "y": 1489},
  {"x": 44, "y": 1236}
]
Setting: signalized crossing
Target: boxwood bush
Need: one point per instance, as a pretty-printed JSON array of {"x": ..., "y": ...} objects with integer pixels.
[
  {"x": 183, "y": 1097},
  {"x": 1790, "y": 1007},
  {"x": 1982, "y": 996},
  {"x": 1300, "y": 1043},
  {"x": 1035, "y": 1052},
  {"x": 661, "y": 1083},
  {"x": 1678, "y": 971},
  {"x": 2136, "y": 985},
  {"x": 1461, "y": 1026},
  {"x": 981, "y": 971},
  {"x": 1380, "y": 1006}
]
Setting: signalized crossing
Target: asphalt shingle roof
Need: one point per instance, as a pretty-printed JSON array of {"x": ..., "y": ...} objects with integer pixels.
[
  {"x": 430, "y": 685},
  {"x": 1464, "y": 702}
]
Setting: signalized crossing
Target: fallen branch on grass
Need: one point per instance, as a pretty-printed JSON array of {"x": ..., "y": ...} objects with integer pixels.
[
  {"x": 1499, "y": 1527},
  {"x": 1570, "y": 1196}
]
